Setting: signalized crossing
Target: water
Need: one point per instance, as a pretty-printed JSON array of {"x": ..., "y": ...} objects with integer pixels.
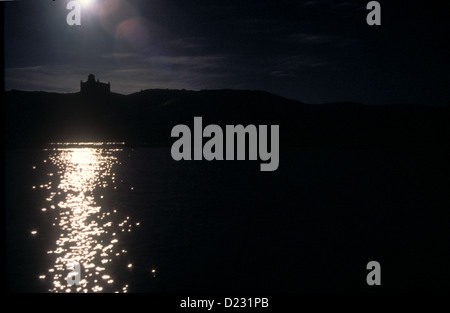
[{"x": 137, "y": 221}]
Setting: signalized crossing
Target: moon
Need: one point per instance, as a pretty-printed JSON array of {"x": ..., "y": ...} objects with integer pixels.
[{"x": 86, "y": 3}]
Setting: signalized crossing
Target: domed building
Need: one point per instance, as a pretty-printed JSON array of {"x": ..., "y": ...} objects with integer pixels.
[{"x": 94, "y": 87}]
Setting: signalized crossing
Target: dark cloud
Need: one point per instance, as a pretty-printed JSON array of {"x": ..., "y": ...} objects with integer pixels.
[
  {"x": 314, "y": 50},
  {"x": 305, "y": 38}
]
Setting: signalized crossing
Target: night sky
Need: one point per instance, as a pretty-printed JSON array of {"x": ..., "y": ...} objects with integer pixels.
[{"x": 314, "y": 51}]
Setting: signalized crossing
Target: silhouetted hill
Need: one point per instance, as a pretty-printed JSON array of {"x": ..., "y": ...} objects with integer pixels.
[{"x": 147, "y": 117}]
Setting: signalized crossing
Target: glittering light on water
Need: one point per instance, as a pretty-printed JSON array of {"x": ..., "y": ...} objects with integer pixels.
[{"x": 86, "y": 230}]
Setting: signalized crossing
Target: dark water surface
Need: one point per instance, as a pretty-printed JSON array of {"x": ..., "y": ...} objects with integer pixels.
[{"x": 137, "y": 221}]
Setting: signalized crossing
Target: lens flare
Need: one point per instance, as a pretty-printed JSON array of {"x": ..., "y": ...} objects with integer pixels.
[{"x": 87, "y": 3}]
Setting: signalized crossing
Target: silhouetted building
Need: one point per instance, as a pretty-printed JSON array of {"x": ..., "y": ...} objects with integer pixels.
[{"x": 94, "y": 88}]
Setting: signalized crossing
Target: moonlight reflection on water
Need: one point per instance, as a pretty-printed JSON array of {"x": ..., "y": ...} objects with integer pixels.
[{"x": 87, "y": 231}]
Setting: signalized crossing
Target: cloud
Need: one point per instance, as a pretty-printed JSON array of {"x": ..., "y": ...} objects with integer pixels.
[
  {"x": 281, "y": 74},
  {"x": 163, "y": 71},
  {"x": 56, "y": 78},
  {"x": 120, "y": 56},
  {"x": 306, "y": 38},
  {"x": 313, "y": 3},
  {"x": 187, "y": 62},
  {"x": 26, "y": 68},
  {"x": 188, "y": 43},
  {"x": 295, "y": 62},
  {"x": 177, "y": 72}
]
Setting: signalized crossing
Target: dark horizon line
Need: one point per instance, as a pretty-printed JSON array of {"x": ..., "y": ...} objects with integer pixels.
[{"x": 347, "y": 102}]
